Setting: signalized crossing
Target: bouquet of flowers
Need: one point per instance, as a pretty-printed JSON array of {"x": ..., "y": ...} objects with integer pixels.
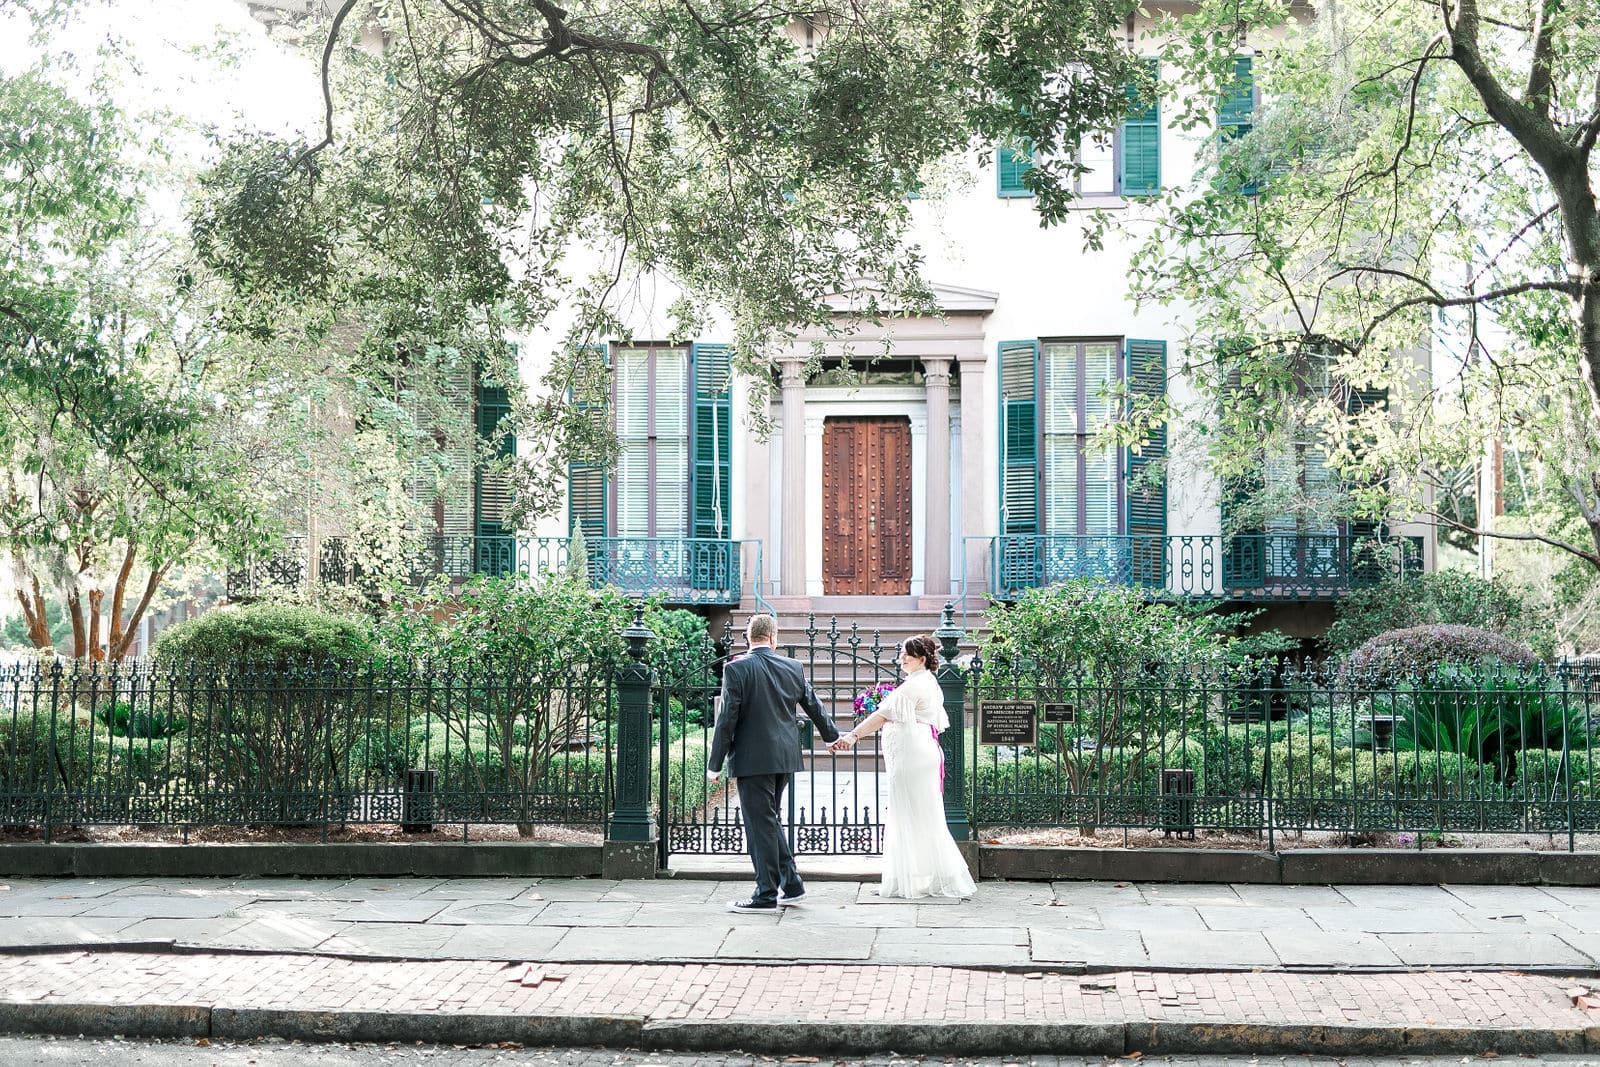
[{"x": 868, "y": 702}]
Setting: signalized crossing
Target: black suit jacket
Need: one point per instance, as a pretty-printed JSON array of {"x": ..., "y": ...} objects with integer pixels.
[{"x": 756, "y": 727}]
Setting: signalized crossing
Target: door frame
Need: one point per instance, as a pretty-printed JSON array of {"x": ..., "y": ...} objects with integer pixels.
[{"x": 889, "y": 402}]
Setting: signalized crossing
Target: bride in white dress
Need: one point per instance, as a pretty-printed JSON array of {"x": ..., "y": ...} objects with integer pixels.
[{"x": 920, "y": 858}]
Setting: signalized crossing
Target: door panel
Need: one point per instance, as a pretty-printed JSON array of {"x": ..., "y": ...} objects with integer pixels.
[
  {"x": 866, "y": 485},
  {"x": 841, "y": 495}
]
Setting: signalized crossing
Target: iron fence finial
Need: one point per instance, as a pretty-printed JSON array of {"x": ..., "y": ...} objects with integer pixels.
[
  {"x": 948, "y": 634},
  {"x": 638, "y": 635}
]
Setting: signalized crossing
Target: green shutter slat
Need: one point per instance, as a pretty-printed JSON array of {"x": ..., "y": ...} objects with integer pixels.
[
  {"x": 1238, "y": 105},
  {"x": 492, "y": 491},
  {"x": 1236, "y": 112},
  {"x": 1141, "y": 143},
  {"x": 587, "y": 483},
  {"x": 1244, "y": 555},
  {"x": 1146, "y": 373},
  {"x": 1010, "y": 165},
  {"x": 1356, "y": 402},
  {"x": 711, "y": 441},
  {"x": 1019, "y": 458}
]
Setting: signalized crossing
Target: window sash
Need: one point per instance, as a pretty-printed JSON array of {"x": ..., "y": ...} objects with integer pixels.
[
  {"x": 1082, "y": 476},
  {"x": 651, "y": 401}
]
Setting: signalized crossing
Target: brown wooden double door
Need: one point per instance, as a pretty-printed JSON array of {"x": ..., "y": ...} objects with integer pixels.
[{"x": 866, "y": 506}]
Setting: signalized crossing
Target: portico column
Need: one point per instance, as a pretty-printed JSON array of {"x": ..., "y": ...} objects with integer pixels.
[
  {"x": 792, "y": 567},
  {"x": 974, "y": 462},
  {"x": 936, "y": 551}
]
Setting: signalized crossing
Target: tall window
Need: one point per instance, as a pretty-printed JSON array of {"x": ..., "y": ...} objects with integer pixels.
[
  {"x": 652, "y": 485},
  {"x": 1080, "y": 475}
]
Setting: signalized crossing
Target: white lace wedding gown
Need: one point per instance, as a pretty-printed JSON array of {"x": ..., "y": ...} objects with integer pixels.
[{"x": 920, "y": 858}]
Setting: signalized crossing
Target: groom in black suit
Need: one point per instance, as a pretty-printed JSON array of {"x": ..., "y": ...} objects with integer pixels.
[{"x": 757, "y": 733}]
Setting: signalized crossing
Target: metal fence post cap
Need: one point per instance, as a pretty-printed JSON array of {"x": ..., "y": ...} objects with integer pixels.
[{"x": 637, "y": 634}]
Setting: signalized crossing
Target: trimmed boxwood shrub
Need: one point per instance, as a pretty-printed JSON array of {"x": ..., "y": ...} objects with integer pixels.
[
  {"x": 1040, "y": 789},
  {"x": 1317, "y": 765},
  {"x": 281, "y": 635},
  {"x": 1419, "y": 649}
]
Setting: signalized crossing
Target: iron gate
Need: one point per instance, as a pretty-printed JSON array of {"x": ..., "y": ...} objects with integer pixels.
[{"x": 835, "y": 804}]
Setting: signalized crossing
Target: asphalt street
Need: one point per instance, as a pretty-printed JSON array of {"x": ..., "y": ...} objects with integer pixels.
[{"x": 57, "y": 1052}]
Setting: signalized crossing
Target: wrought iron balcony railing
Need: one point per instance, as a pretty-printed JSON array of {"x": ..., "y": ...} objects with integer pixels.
[
  {"x": 684, "y": 570},
  {"x": 1255, "y": 567}
]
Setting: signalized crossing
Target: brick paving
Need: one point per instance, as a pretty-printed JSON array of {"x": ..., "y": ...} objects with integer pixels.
[{"x": 657, "y": 992}]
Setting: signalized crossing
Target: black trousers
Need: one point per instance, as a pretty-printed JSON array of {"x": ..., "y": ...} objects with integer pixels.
[{"x": 761, "y": 800}]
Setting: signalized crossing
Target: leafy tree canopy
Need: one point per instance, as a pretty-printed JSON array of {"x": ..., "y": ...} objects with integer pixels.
[
  {"x": 493, "y": 167},
  {"x": 1418, "y": 178}
]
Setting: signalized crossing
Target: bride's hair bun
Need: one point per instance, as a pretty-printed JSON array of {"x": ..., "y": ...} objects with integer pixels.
[{"x": 926, "y": 647}]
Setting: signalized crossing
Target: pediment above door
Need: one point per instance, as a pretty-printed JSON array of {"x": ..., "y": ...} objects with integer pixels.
[{"x": 950, "y": 299}]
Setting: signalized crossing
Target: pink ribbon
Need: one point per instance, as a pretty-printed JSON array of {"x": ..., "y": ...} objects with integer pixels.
[{"x": 935, "y": 731}]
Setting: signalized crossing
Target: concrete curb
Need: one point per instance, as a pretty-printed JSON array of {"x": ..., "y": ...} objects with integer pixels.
[
  {"x": 780, "y": 1037},
  {"x": 1305, "y": 866},
  {"x": 542, "y": 859},
  {"x": 537, "y": 859}
]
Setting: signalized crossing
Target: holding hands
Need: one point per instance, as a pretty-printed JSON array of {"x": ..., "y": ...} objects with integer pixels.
[{"x": 845, "y": 742}]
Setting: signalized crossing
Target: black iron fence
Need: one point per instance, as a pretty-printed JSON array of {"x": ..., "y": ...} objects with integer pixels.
[
  {"x": 418, "y": 744},
  {"x": 1270, "y": 747},
  {"x": 1181, "y": 747}
]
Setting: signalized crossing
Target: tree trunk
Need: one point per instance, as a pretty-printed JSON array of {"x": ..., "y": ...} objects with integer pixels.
[
  {"x": 124, "y": 633},
  {"x": 34, "y": 614},
  {"x": 80, "y": 633},
  {"x": 116, "y": 642},
  {"x": 96, "y": 598}
]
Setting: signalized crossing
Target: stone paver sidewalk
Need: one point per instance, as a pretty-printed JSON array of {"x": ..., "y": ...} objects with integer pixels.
[
  {"x": 1008, "y": 925},
  {"x": 818, "y": 1008}
]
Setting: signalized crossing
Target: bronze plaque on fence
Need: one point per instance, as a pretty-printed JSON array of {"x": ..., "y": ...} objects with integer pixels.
[
  {"x": 1008, "y": 722},
  {"x": 1060, "y": 713}
]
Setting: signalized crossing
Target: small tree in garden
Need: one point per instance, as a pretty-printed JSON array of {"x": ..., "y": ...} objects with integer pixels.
[
  {"x": 1124, "y": 665},
  {"x": 528, "y": 663}
]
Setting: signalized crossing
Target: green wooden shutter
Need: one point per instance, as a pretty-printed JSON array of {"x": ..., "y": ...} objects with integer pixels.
[
  {"x": 1365, "y": 568},
  {"x": 492, "y": 490},
  {"x": 1146, "y": 466},
  {"x": 587, "y": 483},
  {"x": 1244, "y": 551},
  {"x": 1141, "y": 143},
  {"x": 1018, "y": 566},
  {"x": 1010, "y": 165},
  {"x": 1236, "y": 113},
  {"x": 711, "y": 439}
]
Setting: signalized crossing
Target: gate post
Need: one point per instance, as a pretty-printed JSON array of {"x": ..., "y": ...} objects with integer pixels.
[
  {"x": 953, "y": 681},
  {"x": 630, "y": 841}
]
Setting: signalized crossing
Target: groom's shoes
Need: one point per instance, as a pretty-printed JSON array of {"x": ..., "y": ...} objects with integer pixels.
[
  {"x": 752, "y": 906},
  {"x": 785, "y": 899}
]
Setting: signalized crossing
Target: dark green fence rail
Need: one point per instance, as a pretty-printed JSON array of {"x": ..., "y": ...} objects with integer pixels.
[
  {"x": 1270, "y": 748},
  {"x": 195, "y": 745}
]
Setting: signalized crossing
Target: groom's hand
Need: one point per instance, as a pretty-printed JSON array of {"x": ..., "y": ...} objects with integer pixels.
[{"x": 713, "y": 776}]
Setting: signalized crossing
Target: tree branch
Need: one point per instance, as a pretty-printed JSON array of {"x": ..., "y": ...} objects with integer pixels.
[
  {"x": 1569, "y": 287},
  {"x": 327, "y": 87},
  {"x": 1537, "y": 94},
  {"x": 1590, "y": 557}
]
